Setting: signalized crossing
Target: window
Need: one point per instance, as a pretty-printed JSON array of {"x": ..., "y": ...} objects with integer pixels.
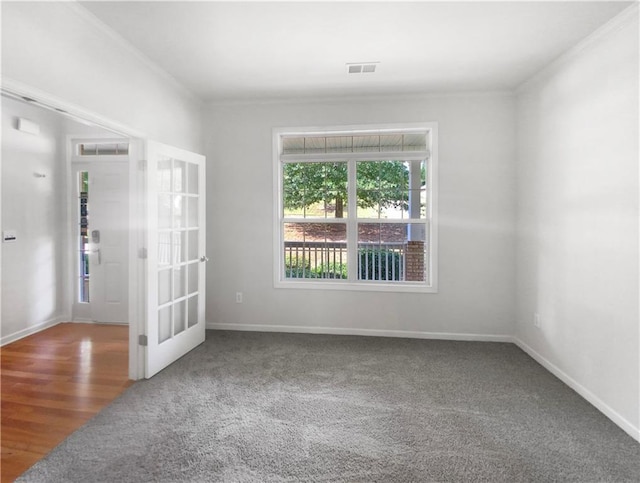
[
  {"x": 102, "y": 149},
  {"x": 84, "y": 250},
  {"x": 356, "y": 208}
]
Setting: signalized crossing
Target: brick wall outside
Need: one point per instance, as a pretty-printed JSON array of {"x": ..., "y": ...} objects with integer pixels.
[{"x": 414, "y": 261}]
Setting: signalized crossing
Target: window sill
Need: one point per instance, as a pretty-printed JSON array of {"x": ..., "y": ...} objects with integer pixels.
[{"x": 358, "y": 286}]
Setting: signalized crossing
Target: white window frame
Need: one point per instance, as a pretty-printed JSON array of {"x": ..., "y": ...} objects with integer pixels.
[{"x": 428, "y": 286}]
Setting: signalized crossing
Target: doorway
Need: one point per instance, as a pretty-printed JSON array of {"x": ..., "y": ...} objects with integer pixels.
[
  {"x": 163, "y": 326},
  {"x": 99, "y": 207}
]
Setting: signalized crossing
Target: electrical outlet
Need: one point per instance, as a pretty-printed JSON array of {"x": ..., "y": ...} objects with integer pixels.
[
  {"x": 536, "y": 320},
  {"x": 238, "y": 297}
]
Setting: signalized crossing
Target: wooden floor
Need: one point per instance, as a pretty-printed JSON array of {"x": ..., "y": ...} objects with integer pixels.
[{"x": 52, "y": 383}]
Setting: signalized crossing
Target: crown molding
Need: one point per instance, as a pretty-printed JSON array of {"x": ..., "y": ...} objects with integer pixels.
[
  {"x": 617, "y": 23},
  {"x": 416, "y": 96},
  {"x": 26, "y": 93},
  {"x": 125, "y": 45}
]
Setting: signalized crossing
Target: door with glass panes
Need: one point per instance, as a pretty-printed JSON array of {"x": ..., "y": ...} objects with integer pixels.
[
  {"x": 101, "y": 199},
  {"x": 176, "y": 254}
]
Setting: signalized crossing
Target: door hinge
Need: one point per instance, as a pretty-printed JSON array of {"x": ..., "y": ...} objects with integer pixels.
[
  {"x": 142, "y": 253},
  {"x": 142, "y": 164},
  {"x": 142, "y": 340}
]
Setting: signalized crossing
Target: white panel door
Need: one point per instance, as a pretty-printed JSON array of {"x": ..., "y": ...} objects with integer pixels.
[
  {"x": 176, "y": 254},
  {"x": 110, "y": 215},
  {"x": 108, "y": 240}
]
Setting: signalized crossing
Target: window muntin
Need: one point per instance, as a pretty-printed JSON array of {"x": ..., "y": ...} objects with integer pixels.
[{"x": 355, "y": 210}]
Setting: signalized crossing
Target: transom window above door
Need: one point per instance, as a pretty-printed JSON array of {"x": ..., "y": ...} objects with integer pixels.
[{"x": 355, "y": 208}]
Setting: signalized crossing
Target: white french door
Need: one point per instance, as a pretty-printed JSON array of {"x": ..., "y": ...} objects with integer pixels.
[{"x": 176, "y": 254}]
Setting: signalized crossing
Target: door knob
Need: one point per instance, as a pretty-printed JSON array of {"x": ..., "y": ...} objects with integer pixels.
[{"x": 204, "y": 258}]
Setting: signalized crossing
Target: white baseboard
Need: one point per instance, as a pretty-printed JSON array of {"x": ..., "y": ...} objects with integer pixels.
[
  {"x": 353, "y": 331},
  {"x": 7, "y": 339},
  {"x": 80, "y": 320},
  {"x": 603, "y": 407}
]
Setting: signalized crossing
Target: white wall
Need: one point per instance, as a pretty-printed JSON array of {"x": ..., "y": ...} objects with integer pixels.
[
  {"x": 476, "y": 214},
  {"x": 34, "y": 267},
  {"x": 60, "y": 49},
  {"x": 577, "y": 250}
]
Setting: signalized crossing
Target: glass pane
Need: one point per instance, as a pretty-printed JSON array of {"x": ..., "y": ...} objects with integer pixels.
[
  {"x": 391, "y": 189},
  {"x": 394, "y": 204},
  {"x": 366, "y": 143},
  {"x": 391, "y": 142},
  {"x": 293, "y": 145},
  {"x": 382, "y": 251},
  {"x": 417, "y": 206},
  {"x": 416, "y": 261},
  {"x": 368, "y": 203},
  {"x": 164, "y": 286},
  {"x": 192, "y": 303},
  {"x": 193, "y": 211},
  {"x": 368, "y": 174},
  {"x": 164, "y": 211},
  {"x": 192, "y": 183},
  {"x": 179, "y": 176},
  {"x": 339, "y": 144},
  {"x": 193, "y": 278},
  {"x": 334, "y": 204},
  {"x": 315, "y": 190},
  {"x": 179, "y": 317},
  {"x": 103, "y": 149},
  {"x": 179, "y": 280},
  {"x": 417, "y": 192},
  {"x": 84, "y": 287},
  {"x": 315, "y": 250},
  {"x": 179, "y": 247},
  {"x": 295, "y": 184},
  {"x": 193, "y": 245},
  {"x": 179, "y": 212},
  {"x": 293, "y": 202},
  {"x": 164, "y": 248},
  {"x": 83, "y": 240},
  {"x": 83, "y": 184},
  {"x": 164, "y": 175},
  {"x": 335, "y": 190},
  {"x": 415, "y": 141},
  {"x": 164, "y": 324}
]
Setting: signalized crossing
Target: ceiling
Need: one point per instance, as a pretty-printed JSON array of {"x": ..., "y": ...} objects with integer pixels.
[{"x": 241, "y": 50}]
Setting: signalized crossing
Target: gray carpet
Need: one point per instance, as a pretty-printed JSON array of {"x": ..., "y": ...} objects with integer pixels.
[{"x": 264, "y": 407}]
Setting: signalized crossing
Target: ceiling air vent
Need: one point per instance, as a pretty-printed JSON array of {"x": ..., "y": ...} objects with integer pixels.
[{"x": 362, "y": 67}]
